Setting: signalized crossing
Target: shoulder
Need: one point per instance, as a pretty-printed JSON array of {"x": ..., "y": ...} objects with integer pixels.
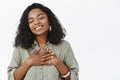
[
  {"x": 64, "y": 44},
  {"x": 19, "y": 49}
]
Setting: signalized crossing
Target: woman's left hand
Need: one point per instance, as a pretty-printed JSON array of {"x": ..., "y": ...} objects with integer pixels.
[
  {"x": 61, "y": 67},
  {"x": 54, "y": 59}
]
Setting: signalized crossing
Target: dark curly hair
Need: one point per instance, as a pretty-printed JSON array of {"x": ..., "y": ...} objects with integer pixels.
[{"x": 25, "y": 38}]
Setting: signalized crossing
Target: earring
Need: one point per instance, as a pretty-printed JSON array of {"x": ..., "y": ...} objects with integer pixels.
[{"x": 50, "y": 28}]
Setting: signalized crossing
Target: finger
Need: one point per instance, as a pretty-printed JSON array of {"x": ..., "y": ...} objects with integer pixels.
[
  {"x": 48, "y": 58},
  {"x": 47, "y": 63},
  {"x": 41, "y": 54},
  {"x": 49, "y": 51},
  {"x": 46, "y": 52},
  {"x": 52, "y": 57},
  {"x": 46, "y": 55},
  {"x": 35, "y": 52},
  {"x": 52, "y": 53}
]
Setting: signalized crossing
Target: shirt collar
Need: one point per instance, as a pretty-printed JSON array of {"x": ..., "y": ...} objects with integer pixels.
[{"x": 35, "y": 43}]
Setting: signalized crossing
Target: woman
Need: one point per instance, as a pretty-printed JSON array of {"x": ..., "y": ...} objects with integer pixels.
[{"x": 40, "y": 52}]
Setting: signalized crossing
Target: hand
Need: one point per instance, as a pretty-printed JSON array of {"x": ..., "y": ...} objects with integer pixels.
[
  {"x": 61, "y": 67},
  {"x": 54, "y": 59},
  {"x": 37, "y": 59}
]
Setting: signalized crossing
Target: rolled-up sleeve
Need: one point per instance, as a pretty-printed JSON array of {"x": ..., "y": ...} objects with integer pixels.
[
  {"x": 14, "y": 64},
  {"x": 72, "y": 63}
]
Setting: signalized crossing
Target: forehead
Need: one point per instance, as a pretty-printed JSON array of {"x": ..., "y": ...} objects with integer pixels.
[{"x": 35, "y": 12}]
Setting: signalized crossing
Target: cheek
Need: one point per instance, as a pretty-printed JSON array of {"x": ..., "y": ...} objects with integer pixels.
[{"x": 45, "y": 21}]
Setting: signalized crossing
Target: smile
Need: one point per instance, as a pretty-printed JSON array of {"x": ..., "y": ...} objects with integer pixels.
[{"x": 38, "y": 27}]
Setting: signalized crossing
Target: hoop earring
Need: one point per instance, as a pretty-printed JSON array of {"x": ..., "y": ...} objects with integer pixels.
[{"x": 50, "y": 28}]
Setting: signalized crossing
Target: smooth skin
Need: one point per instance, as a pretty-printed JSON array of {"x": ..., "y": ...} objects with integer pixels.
[{"x": 39, "y": 25}]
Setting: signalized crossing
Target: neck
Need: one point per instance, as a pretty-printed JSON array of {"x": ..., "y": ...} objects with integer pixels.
[{"x": 41, "y": 40}]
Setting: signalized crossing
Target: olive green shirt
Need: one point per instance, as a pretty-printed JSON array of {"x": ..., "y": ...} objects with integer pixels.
[{"x": 63, "y": 51}]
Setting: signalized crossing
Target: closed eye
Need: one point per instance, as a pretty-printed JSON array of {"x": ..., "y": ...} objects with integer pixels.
[
  {"x": 41, "y": 17},
  {"x": 30, "y": 21}
]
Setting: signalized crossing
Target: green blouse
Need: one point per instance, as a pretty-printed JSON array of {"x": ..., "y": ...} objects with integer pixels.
[{"x": 63, "y": 51}]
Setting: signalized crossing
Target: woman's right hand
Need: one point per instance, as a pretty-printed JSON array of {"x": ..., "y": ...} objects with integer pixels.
[{"x": 37, "y": 59}]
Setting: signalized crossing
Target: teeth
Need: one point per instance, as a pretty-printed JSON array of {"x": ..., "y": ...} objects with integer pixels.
[{"x": 39, "y": 27}]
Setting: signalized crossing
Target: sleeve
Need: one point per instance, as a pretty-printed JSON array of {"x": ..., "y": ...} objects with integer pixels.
[
  {"x": 72, "y": 63},
  {"x": 14, "y": 64}
]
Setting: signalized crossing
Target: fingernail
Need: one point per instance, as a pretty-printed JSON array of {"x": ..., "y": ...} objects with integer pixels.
[
  {"x": 51, "y": 57},
  {"x": 52, "y": 53}
]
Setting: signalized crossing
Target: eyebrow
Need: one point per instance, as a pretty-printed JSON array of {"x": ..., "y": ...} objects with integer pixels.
[
  {"x": 40, "y": 14},
  {"x": 37, "y": 15}
]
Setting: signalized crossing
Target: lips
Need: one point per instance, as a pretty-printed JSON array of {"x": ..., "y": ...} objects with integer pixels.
[{"x": 38, "y": 27}]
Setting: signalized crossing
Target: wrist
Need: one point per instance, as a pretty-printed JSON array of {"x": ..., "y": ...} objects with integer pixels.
[
  {"x": 28, "y": 62},
  {"x": 56, "y": 62},
  {"x": 66, "y": 75},
  {"x": 63, "y": 69}
]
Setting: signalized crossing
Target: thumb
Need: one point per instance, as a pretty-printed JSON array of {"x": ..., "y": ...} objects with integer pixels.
[{"x": 35, "y": 52}]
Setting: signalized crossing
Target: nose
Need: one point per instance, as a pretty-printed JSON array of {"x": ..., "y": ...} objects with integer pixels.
[{"x": 36, "y": 21}]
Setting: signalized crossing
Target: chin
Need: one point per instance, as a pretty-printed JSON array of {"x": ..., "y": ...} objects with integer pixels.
[{"x": 40, "y": 34}]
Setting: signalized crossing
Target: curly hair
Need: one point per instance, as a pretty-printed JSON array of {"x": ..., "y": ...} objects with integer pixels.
[{"x": 25, "y": 38}]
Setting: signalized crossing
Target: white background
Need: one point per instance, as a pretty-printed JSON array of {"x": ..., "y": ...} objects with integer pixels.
[{"x": 93, "y": 28}]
